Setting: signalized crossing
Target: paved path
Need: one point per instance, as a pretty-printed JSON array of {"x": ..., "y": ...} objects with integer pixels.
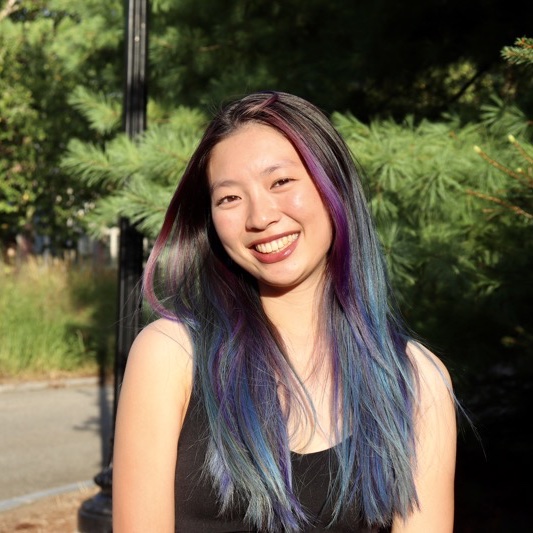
[{"x": 52, "y": 436}]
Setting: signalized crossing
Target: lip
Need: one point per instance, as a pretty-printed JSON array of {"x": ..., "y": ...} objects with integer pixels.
[{"x": 274, "y": 257}]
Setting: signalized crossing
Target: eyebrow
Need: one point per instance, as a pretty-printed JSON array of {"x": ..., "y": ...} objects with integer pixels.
[
  {"x": 265, "y": 172},
  {"x": 223, "y": 183},
  {"x": 282, "y": 164}
]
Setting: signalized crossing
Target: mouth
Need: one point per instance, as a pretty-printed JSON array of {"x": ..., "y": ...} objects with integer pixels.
[{"x": 276, "y": 245}]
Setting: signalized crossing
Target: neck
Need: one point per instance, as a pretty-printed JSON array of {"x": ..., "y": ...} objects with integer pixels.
[
  {"x": 296, "y": 315},
  {"x": 293, "y": 311}
]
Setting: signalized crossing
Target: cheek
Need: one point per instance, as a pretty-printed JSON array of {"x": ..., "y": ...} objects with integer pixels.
[
  {"x": 309, "y": 205},
  {"x": 320, "y": 216},
  {"x": 299, "y": 203},
  {"x": 224, "y": 228}
]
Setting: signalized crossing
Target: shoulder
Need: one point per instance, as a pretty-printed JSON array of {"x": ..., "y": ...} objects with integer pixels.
[
  {"x": 162, "y": 345},
  {"x": 160, "y": 363},
  {"x": 434, "y": 381},
  {"x": 434, "y": 412},
  {"x": 164, "y": 334}
]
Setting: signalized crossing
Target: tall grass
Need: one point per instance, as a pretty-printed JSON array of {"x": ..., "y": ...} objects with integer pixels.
[{"x": 55, "y": 319}]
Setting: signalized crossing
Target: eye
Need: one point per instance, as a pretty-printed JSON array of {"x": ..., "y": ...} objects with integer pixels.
[
  {"x": 282, "y": 181},
  {"x": 227, "y": 199}
]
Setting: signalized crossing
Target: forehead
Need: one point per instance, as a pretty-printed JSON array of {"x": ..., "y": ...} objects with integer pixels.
[{"x": 254, "y": 147}]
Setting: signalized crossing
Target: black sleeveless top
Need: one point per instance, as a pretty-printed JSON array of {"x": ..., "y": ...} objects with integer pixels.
[{"x": 196, "y": 506}]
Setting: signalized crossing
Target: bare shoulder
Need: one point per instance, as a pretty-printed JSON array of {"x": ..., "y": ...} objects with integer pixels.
[
  {"x": 160, "y": 362},
  {"x": 163, "y": 345},
  {"x": 433, "y": 376},
  {"x": 435, "y": 404},
  {"x": 166, "y": 334}
]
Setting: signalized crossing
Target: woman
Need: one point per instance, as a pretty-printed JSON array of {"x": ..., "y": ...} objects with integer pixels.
[{"x": 278, "y": 392}]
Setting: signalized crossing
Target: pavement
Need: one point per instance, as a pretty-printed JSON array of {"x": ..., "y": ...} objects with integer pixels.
[{"x": 54, "y": 438}]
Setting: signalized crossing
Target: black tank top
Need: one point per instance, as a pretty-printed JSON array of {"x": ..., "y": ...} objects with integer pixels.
[{"x": 197, "y": 510}]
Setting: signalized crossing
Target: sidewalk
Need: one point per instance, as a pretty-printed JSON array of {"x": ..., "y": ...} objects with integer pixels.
[{"x": 53, "y": 510}]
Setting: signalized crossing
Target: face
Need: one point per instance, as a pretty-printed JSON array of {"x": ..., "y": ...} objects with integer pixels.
[{"x": 266, "y": 209}]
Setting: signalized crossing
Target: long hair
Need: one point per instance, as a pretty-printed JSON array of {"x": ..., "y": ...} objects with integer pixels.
[{"x": 240, "y": 360}]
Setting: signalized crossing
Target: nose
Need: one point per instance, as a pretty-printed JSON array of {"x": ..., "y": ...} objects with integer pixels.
[{"x": 262, "y": 212}]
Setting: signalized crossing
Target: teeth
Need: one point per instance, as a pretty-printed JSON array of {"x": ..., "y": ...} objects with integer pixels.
[{"x": 277, "y": 245}]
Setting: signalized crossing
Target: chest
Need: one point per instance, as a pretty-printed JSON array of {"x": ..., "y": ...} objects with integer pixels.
[{"x": 196, "y": 504}]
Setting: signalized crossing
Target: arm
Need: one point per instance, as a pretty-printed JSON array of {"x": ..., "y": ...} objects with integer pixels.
[
  {"x": 152, "y": 405},
  {"x": 436, "y": 435}
]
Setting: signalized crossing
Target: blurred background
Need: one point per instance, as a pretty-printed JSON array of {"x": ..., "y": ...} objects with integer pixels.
[{"x": 434, "y": 97}]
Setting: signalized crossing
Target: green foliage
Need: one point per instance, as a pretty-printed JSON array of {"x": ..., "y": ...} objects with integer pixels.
[
  {"x": 517, "y": 165},
  {"x": 517, "y": 195},
  {"x": 139, "y": 176},
  {"x": 47, "y": 51},
  {"x": 55, "y": 319},
  {"x": 521, "y": 53},
  {"x": 503, "y": 119},
  {"x": 418, "y": 175},
  {"x": 19, "y": 133},
  {"x": 61, "y": 59},
  {"x": 102, "y": 113},
  {"x": 373, "y": 58}
]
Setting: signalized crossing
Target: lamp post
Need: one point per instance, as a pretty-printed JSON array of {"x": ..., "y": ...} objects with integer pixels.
[{"x": 94, "y": 515}]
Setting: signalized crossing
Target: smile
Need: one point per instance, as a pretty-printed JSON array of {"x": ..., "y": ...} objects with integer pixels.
[{"x": 276, "y": 245}]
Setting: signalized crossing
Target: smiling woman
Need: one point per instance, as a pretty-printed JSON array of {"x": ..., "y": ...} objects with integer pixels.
[{"x": 279, "y": 391}]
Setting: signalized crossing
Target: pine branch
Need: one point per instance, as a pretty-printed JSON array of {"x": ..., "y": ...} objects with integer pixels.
[
  {"x": 11, "y": 7},
  {"x": 102, "y": 113},
  {"x": 142, "y": 202},
  {"x": 524, "y": 180},
  {"x": 514, "y": 208},
  {"x": 520, "y": 149},
  {"x": 86, "y": 161},
  {"x": 521, "y": 53}
]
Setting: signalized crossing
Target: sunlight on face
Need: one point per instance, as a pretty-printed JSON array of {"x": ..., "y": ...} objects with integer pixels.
[{"x": 266, "y": 209}]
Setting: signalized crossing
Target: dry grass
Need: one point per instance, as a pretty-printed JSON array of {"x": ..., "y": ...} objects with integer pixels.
[
  {"x": 55, "y": 514},
  {"x": 56, "y": 319}
]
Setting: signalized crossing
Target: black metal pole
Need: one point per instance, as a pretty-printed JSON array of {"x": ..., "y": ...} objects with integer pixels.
[{"x": 94, "y": 515}]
